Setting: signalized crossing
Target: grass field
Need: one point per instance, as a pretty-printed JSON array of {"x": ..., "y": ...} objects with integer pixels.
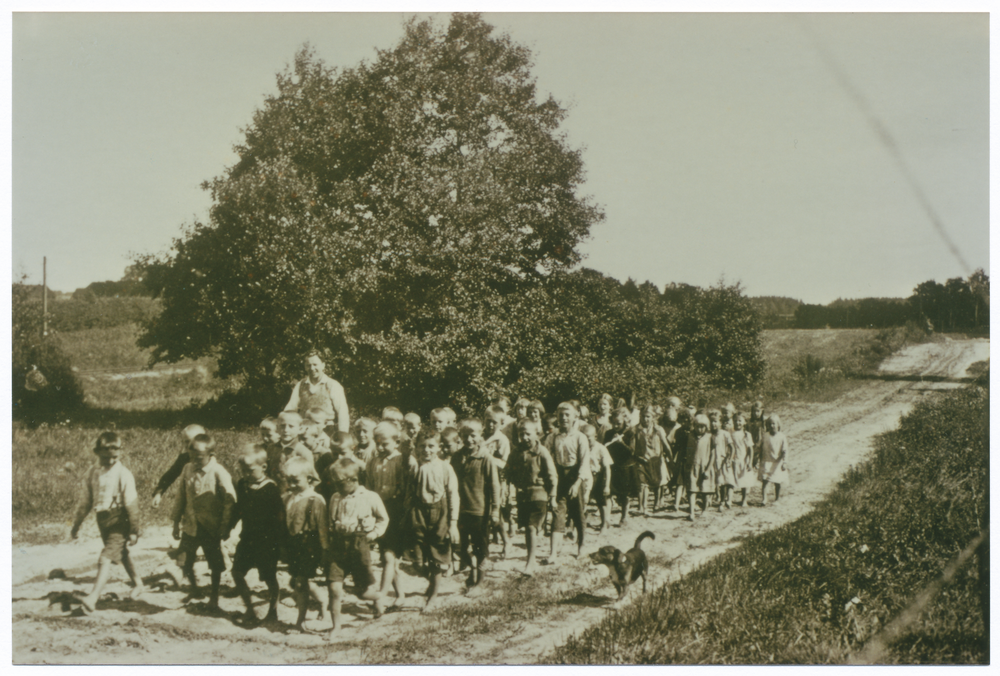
[{"x": 816, "y": 590}]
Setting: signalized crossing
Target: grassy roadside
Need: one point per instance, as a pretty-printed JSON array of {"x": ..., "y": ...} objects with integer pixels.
[{"x": 816, "y": 590}]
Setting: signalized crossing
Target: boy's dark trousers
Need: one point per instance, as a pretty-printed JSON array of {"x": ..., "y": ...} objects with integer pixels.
[{"x": 474, "y": 532}]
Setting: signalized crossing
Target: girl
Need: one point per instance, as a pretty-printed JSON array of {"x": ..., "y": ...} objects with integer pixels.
[
  {"x": 681, "y": 459},
  {"x": 722, "y": 447},
  {"x": 742, "y": 457},
  {"x": 701, "y": 465},
  {"x": 536, "y": 414},
  {"x": 773, "y": 458},
  {"x": 619, "y": 442},
  {"x": 603, "y": 420},
  {"x": 650, "y": 448},
  {"x": 755, "y": 426}
]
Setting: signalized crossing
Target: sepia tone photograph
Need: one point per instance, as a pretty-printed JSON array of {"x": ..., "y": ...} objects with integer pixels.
[{"x": 500, "y": 338}]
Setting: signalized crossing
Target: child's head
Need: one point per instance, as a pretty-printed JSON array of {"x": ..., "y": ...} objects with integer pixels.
[
  {"x": 493, "y": 420},
  {"x": 253, "y": 461},
  {"x": 314, "y": 437},
  {"x": 715, "y": 420},
  {"x": 108, "y": 448},
  {"x": 700, "y": 424},
  {"x": 428, "y": 445},
  {"x": 604, "y": 404},
  {"x": 363, "y": 428},
  {"x": 451, "y": 442},
  {"x": 343, "y": 443},
  {"x": 289, "y": 426},
  {"x": 672, "y": 414},
  {"x": 528, "y": 432},
  {"x": 502, "y": 402},
  {"x": 589, "y": 431},
  {"x": 202, "y": 450},
  {"x": 566, "y": 415},
  {"x": 757, "y": 410},
  {"x": 296, "y": 472},
  {"x": 739, "y": 422},
  {"x": 269, "y": 430},
  {"x": 673, "y": 402},
  {"x": 386, "y": 436},
  {"x": 190, "y": 432},
  {"x": 621, "y": 419},
  {"x": 411, "y": 425},
  {"x": 648, "y": 415},
  {"x": 521, "y": 408},
  {"x": 471, "y": 432},
  {"x": 316, "y": 415},
  {"x": 773, "y": 423},
  {"x": 393, "y": 414},
  {"x": 727, "y": 412},
  {"x": 584, "y": 412},
  {"x": 536, "y": 411},
  {"x": 439, "y": 420},
  {"x": 344, "y": 475}
]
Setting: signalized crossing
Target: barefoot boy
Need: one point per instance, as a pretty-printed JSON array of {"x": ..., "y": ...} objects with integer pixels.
[
  {"x": 183, "y": 458},
  {"x": 308, "y": 534},
  {"x": 532, "y": 474},
  {"x": 357, "y": 518},
  {"x": 478, "y": 499},
  {"x": 433, "y": 510},
  {"x": 385, "y": 475},
  {"x": 259, "y": 507},
  {"x": 109, "y": 488}
]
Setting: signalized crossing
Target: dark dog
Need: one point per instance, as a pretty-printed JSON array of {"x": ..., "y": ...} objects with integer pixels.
[{"x": 625, "y": 567}]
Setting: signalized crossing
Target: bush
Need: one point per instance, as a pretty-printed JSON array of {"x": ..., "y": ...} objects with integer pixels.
[
  {"x": 44, "y": 386},
  {"x": 90, "y": 311}
]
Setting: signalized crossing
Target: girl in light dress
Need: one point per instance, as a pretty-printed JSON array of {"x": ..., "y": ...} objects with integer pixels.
[
  {"x": 773, "y": 458},
  {"x": 701, "y": 465},
  {"x": 722, "y": 451},
  {"x": 743, "y": 472}
]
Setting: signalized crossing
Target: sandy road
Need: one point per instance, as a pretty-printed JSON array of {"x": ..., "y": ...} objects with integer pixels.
[{"x": 825, "y": 440}]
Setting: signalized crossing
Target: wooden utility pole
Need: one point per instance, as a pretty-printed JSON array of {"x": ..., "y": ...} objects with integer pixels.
[{"x": 45, "y": 299}]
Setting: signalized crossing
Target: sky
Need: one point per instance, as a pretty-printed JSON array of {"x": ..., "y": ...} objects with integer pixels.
[{"x": 815, "y": 156}]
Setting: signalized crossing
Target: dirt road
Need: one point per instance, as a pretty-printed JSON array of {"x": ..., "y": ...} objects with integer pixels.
[{"x": 825, "y": 440}]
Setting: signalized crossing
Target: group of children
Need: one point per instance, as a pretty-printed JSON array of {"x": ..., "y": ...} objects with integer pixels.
[{"x": 322, "y": 500}]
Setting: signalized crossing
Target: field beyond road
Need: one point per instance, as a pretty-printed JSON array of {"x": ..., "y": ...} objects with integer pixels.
[{"x": 511, "y": 620}]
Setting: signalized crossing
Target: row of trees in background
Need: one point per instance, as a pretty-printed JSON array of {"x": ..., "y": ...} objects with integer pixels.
[{"x": 957, "y": 305}]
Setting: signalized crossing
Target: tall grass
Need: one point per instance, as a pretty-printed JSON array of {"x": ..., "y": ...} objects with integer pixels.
[{"x": 814, "y": 591}]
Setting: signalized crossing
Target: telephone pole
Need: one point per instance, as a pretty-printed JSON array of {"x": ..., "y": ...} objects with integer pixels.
[{"x": 45, "y": 299}]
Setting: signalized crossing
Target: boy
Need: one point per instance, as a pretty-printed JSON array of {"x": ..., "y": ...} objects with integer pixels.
[
  {"x": 600, "y": 471},
  {"x": 315, "y": 439},
  {"x": 497, "y": 446},
  {"x": 202, "y": 514},
  {"x": 260, "y": 508},
  {"x": 478, "y": 499},
  {"x": 570, "y": 451},
  {"x": 451, "y": 443},
  {"x": 393, "y": 415},
  {"x": 533, "y": 475},
  {"x": 269, "y": 430},
  {"x": 308, "y": 534},
  {"x": 411, "y": 428},
  {"x": 366, "y": 444},
  {"x": 357, "y": 518},
  {"x": 289, "y": 446},
  {"x": 385, "y": 476},
  {"x": 183, "y": 458},
  {"x": 433, "y": 514},
  {"x": 109, "y": 488}
]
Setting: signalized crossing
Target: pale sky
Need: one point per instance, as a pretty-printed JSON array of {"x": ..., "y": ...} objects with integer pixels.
[{"x": 717, "y": 144}]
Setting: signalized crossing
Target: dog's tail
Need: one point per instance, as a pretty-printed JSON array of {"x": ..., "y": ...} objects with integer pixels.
[{"x": 645, "y": 534}]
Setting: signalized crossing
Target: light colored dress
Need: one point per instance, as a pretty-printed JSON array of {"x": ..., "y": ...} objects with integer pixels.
[
  {"x": 701, "y": 468},
  {"x": 722, "y": 447},
  {"x": 773, "y": 458},
  {"x": 743, "y": 459}
]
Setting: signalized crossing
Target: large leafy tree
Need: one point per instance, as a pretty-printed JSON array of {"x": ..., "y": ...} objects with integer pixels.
[{"x": 397, "y": 214}]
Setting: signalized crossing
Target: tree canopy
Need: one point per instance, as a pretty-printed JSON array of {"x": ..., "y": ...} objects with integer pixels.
[{"x": 418, "y": 219}]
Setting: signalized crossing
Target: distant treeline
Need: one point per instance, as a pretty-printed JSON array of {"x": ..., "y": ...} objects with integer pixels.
[{"x": 957, "y": 305}]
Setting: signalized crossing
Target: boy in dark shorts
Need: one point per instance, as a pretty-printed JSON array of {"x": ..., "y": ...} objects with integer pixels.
[
  {"x": 110, "y": 489},
  {"x": 308, "y": 533},
  {"x": 385, "y": 475},
  {"x": 357, "y": 518},
  {"x": 183, "y": 458},
  {"x": 571, "y": 452},
  {"x": 433, "y": 512},
  {"x": 202, "y": 514},
  {"x": 478, "y": 499},
  {"x": 259, "y": 506},
  {"x": 532, "y": 474}
]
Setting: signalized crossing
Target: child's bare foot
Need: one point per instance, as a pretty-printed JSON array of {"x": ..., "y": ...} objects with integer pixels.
[
  {"x": 378, "y": 608},
  {"x": 88, "y": 603},
  {"x": 505, "y": 553},
  {"x": 249, "y": 619},
  {"x": 271, "y": 618},
  {"x": 193, "y": 594},
  {"x": 137, "y": 591}
]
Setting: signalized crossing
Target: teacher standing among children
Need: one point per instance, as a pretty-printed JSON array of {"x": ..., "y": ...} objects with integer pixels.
[{"x": 318, "y": 390}]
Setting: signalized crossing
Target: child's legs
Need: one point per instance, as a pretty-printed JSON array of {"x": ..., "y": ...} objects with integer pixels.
[
  {"x": 103, "y": 573},
  {"x": 763, "y": 492},
  {"x": 336, "y": 591},
  {"x": 577, "y": 509},
  {"x": 777, "y": 492},
  {"x": 481, "y": 541},
  {"x": 388, "y": 570}
]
